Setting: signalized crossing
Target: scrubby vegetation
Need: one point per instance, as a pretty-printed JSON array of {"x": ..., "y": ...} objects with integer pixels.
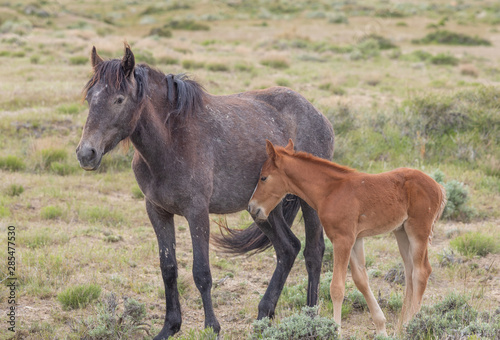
[{"x": 404, "y": 84}]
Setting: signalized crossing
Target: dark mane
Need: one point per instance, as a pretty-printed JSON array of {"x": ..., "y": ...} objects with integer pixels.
[
  {"x": 317, "y": 160},
  {"x": 185, "y": 96}
]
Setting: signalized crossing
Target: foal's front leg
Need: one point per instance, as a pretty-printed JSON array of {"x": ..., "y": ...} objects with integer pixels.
[
  {"x": 342, "y": 246},
  {"x": 163, "y": 224},
  {"x": 199, "y": 225}
]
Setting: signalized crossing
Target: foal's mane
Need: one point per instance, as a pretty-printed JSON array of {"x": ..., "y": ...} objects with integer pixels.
[
  {"x": 317, "y": 160},
  {"x": 184, "y": 96}
]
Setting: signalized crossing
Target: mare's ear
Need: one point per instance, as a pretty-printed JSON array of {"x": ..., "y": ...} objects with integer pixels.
[
  {"x": 290, "y": 145},
  {"x": 271, "y": 151},
  {"x": 128, "y": 62},
  {"x": 95, "y": 59}
]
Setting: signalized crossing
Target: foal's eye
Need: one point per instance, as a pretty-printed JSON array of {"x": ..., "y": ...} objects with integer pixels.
[
  {"x": 119, "y": 100},
  {"x": 263, "y": 178}
]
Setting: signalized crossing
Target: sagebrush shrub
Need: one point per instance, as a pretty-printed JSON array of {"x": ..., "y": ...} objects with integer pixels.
[
  {"x": 457, "y": 196},
  {"x": 305, "y": 325}
]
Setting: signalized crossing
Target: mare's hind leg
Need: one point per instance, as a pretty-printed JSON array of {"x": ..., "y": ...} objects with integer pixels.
[
  {"x": 287, "y": 246},
  {"x": 313, "y": 252},
  {"x": 163, "y": 224},
  {"x": 360, "y": 277},
  {"x": 404, "y": 250}
]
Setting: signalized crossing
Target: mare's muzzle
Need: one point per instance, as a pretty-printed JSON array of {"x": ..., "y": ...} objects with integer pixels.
[{"x": 89, "y": 157}]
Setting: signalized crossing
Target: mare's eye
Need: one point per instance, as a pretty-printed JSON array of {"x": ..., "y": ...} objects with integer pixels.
[
  {"x": 263, "y": 178},
  {"x": 119, "y": 100}
]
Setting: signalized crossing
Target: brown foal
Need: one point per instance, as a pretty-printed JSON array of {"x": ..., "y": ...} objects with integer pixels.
[{"x": 352, "y": 205}]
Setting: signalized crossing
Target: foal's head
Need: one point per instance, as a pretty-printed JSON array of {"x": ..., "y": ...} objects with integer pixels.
[
  {"x": 114, "y": 94},
  {"x": 272, "y": 185}
]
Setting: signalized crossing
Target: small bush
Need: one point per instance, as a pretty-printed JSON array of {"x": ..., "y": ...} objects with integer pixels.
[
  {"x": 78, "y": 60},
  {"x": 189, "y": 25},
  {"x": 161, "y": 32},
  {"x": 356, "y": 299},
  {"x": 304, "y": 325},
  {"x": 243, "y": 67},
  {"x": 78, "y": 296},
  {"x": 444, "y": 59},
  {"x": 12, "y": 163},
  {"x": 475, "y": 243},
  {"x": 276, "y": 62},
  {"x": 51, "y": 212},
  {"x": 453, "y": 318},
  {"x": 108, "y": 324},
  {"x": 14, "y": 190},
  {"x": 395, "y": 302},
  {"x": 451, "y": 38},
  {"x": 192, "y": 64},
  {"x": 383, "y": 43},
  {"x": 338, "y": 18},
  {"x": 217, "y": 67},
  {"x": 168, "y": 60},
  {"x": 457, "y": 198}
]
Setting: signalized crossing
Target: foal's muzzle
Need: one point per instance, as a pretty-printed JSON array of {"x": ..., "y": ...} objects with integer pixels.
[
  {"x": 89, "y": 157},
  {"x": 256, "y": 211}
]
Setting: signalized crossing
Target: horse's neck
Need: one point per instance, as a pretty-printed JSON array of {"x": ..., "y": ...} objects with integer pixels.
[
  {"x": 151, "y": 137},
  {"x": 311, "y": 181}
]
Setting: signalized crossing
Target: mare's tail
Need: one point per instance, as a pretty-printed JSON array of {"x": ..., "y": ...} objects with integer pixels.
[{"x": 252, "y": 240}]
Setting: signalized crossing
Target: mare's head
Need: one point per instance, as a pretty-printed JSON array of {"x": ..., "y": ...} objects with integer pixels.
[
  {"x": 114, "y": 94},
  {"x": 272, "y": 186}
]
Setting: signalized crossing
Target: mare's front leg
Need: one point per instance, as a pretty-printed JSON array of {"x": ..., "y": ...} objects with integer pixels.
[
  {"x": 313, "y": 252},
  {"x": 163, "y": 224},
  {"x": 199, "y": 225},
  {"x": 287, "y": 246}
]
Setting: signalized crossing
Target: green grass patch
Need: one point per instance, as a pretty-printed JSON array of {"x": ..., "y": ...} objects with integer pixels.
[
  {"x": 276, "y": 62},
  {"x": 14, "y": 190},
  {"x": 42, "y": 237},
  {"x": 51, "y": 212},
  {"x": 79, "y": 60},
  {"x": 137, "y": 192},
  {"x": 12, "y": 163},
  {"x": 444, "y": 59},
  {"x": 192, "y": 64},
  {"x": 70, "y": 109},
  {"x": 48, "y": 156},
  {"x": 475, "y": 243},
  {"x": 78, "y": 296},
  {"x": 62, "y": 169},
  {"x": 188, "y": 25},
  {"x": 451, "y": 38},
  {"x": 163, "y": 32},
  {"x": 217, "y": 67},
  {"x": 101, "y": 215}
]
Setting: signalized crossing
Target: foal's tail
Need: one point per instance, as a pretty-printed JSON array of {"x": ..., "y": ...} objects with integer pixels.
[
  {"x": 252, "y": 240},
  {"x": 443, "y": 199}
]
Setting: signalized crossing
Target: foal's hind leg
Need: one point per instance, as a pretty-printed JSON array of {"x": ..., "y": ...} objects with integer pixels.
[
  {"x": 313, "y": 252},
  {"x": 418, "y": 232},
  {"x": 360, "y": 277},
  {"x": 287, "y": 246},
  {"x": 163, "y": 224},
  {"x": 404, "y": 250}
]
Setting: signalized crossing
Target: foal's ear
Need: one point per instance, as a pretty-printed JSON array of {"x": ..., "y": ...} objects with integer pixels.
[
  {"x": 290, "y": 145},
  {"x": 95, "y": 59},
  {"x": 128, "y": 61},
  {"x": 271, "y": 151}
]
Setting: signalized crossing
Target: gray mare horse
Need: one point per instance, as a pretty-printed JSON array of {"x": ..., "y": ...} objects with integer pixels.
[{"x": 196, "y": 154}]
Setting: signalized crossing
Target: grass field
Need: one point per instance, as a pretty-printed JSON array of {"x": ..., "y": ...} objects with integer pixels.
[{"x": 405, "y": 83}]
